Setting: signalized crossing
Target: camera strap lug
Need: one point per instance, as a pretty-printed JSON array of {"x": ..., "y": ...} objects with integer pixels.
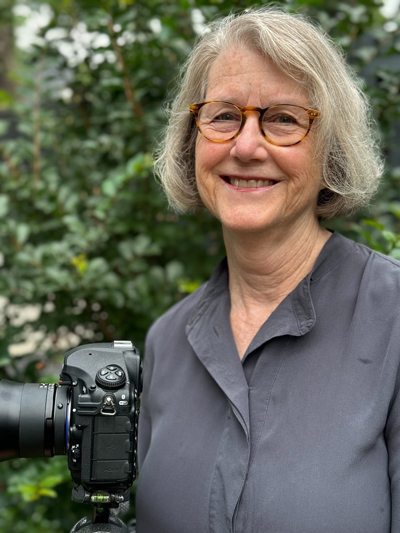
[{"x": 108, "y": 408}]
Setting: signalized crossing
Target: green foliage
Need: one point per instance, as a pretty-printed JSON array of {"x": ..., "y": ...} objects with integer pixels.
[
  {"x": 28, "y": 503},
  {"x": 87, "y": 239},
  {"x": 38, "y": 480}
]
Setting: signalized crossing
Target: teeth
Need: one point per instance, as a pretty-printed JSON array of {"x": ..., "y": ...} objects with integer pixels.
[{"x": 250, "y": 183}]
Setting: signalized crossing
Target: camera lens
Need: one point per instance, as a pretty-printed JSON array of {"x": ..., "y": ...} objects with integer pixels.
[{"x": 34, "y": 419}]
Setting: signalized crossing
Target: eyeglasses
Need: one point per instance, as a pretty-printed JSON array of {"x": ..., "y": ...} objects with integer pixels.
[{"x": 281, "y": 124}]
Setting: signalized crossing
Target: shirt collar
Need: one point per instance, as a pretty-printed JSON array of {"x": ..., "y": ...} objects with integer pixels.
[{"x": 295, "y": 315}]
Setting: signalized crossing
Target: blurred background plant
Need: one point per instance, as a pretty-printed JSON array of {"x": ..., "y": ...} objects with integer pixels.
[{"x": 89, "y": 249}]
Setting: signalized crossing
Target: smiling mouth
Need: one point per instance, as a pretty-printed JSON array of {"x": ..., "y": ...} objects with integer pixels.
[{"x": 249, "y": 184}]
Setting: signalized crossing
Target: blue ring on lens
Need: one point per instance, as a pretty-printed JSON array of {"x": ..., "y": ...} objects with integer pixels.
[{"x": 67, "y": 419}]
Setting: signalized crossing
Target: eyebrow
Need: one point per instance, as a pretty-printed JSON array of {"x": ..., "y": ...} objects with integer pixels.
[{"x": 273, "y": 101}]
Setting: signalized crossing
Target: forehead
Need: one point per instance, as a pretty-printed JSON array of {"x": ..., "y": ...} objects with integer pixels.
[{"x": 242, "y": 74}]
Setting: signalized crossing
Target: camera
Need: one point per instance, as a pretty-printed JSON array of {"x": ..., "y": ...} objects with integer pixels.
[{"x": 91, "y": 415}]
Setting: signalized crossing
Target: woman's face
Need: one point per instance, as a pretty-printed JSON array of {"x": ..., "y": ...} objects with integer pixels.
[{"x": 291, "y": 176}]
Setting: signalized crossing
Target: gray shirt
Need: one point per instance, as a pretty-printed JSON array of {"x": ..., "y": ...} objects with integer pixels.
[{"x": 303, "y": 435}]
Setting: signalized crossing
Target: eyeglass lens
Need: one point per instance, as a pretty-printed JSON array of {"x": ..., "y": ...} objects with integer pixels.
[{"x": 282, "y": 124}]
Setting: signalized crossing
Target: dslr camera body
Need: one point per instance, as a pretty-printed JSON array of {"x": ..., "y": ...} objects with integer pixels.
[{"x": 91, "y": 415}]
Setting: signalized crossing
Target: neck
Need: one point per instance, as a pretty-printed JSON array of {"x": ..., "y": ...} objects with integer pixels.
[{"x": 265, "y": 268}]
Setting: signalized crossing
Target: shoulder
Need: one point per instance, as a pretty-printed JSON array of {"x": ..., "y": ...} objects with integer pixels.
[
  {"x": 345, "y": 257},
  {"x": 351, "y": 274},
  {"x": 378, "y": 267}
]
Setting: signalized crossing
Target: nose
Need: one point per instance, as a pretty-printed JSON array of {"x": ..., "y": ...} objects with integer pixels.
[{"x": 250, "y": 144}]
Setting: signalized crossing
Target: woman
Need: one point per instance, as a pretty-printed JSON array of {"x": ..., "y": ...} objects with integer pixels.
[{"x": 270, "y": 397}]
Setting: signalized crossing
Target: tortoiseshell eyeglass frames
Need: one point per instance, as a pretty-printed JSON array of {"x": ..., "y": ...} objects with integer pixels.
[{"x": 281, "y": 124}]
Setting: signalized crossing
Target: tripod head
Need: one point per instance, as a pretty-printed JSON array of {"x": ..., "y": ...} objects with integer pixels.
[{"x": 103, "y": 518}]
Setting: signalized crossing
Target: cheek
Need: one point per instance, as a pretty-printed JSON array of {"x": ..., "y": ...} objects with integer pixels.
[
  {"x": 207, "y": 158},
  {"x": 202, "y": 170},
  {"x": 199, "y": 158},
  {"x": 304, "y": 169}
]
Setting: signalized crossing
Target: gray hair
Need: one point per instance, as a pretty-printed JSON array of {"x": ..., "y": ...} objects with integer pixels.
[{"x": 345, "y": 138}]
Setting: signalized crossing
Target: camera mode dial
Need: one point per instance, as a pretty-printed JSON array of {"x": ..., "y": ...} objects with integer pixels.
[{"x": 111, "y": 377}]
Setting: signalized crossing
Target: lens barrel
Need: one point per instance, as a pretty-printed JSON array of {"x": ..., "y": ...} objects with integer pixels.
[{"x": 34, "y": 419}]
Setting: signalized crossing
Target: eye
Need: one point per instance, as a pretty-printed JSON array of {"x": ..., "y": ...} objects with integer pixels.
[
  {"x": 227, "y": 116},
  {"x": 280, "y": 118},
  {"x": 286, "y": 117}
]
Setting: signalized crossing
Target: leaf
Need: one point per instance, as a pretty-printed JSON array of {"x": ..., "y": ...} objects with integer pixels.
[
  {"x": 139, "y": 164},
  {"x": 374, "y": 245},
  {"x": 4, "y": 205},
  {"x": 389, "y": 236},
  {"x": 47, "y": 492},
  {"x": 80, "y": 262},
  {"x": 366, "y": 53},
  {"x": 51, "y": 480},
  {"x": 395, "y": 209},
  {"x": 395, "y": 172},
  {"x": 5, "y": 102},
  {"x": 174, "y": 270},
  {"x": 127, "y": 249},
  {"x": 4, "y": 360},
  {"x": 29, "y": 492},
  {"x": 74, "y": 224},
  {"x": 97, "y": 267},
  {"x": 142, "y": 245},
  {"x": 113, "y": 183},
  {"x": 187, "y": 286},
  {"x": 374, "y": 224},
  {"x": 22, "y": 232},
  {"x": 4, "y": 124},
  {"x": 395, "y": 253}
]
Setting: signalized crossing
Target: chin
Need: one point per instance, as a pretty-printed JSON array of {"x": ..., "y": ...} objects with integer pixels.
[{"x": 246, "y": 226}]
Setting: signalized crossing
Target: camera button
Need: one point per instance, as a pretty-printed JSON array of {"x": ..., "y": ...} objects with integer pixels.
[{"x": 111, "y": 377}]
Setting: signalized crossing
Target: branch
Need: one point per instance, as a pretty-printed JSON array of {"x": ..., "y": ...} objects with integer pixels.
[
  {"x": 137, "y": 109},
  {"x": 11, "y": 167},
  {"x": 36, "y": 127}
]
